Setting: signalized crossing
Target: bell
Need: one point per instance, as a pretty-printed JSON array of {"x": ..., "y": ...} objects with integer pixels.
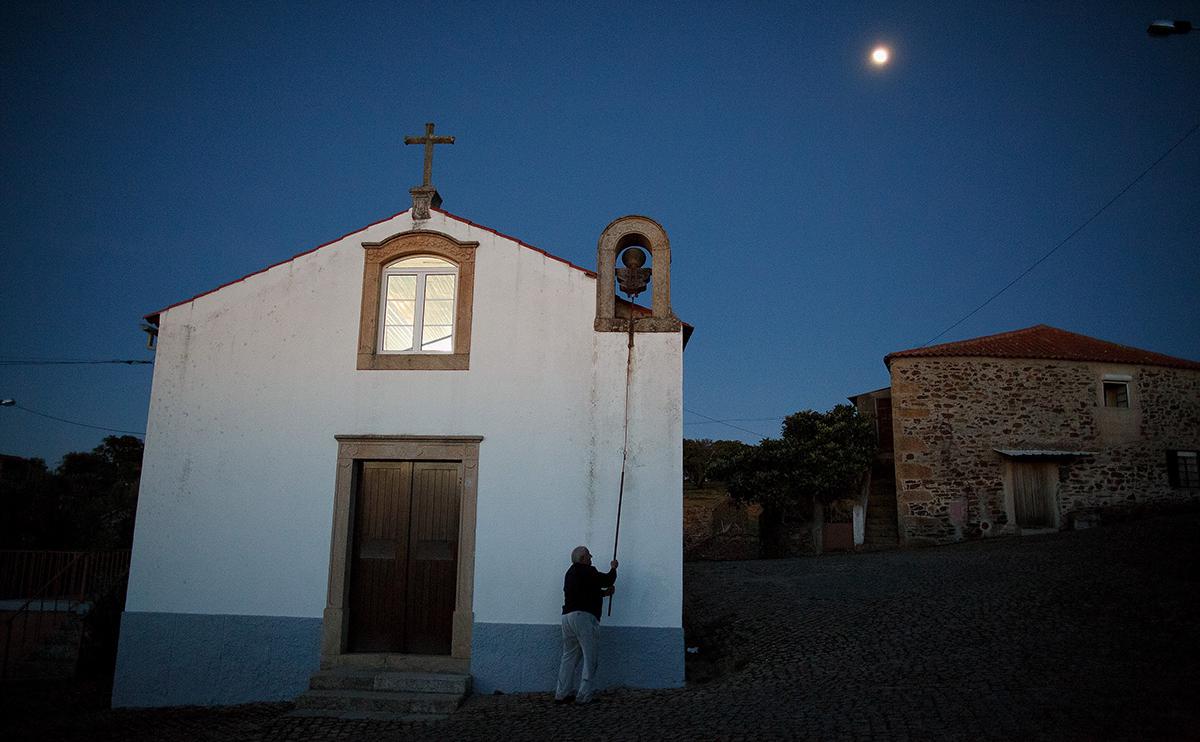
[{"x": 632, "y": 279}]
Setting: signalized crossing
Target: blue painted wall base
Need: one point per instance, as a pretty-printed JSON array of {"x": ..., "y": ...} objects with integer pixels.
[
  {"x": 175, "y": 659},
  {"x": 524, "y": 657}
]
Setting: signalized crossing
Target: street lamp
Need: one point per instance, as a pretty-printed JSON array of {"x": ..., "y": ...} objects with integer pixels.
[{"x": 1167, "y": 28}]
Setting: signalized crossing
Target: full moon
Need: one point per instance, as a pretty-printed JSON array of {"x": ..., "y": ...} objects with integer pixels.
[{"x": 880, "y": 56}]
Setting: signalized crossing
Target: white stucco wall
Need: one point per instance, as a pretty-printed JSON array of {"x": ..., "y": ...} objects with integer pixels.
[{"x": 252, "y": 382}]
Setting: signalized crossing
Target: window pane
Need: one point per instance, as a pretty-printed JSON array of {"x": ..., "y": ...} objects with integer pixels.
[
  {"x": 439, "y": 287},
  {"x": 402, "y": 287},
  {"x": 1116, "y": 394},
  {"x": 1189, "y": 469},
  {"x": 438, "y": 338},
  {"x": 399, "y": 313},
  {"x": 423, "y": 261},
  {"x": 438, "y": 313},
  {"x": 397, "y": 338}
]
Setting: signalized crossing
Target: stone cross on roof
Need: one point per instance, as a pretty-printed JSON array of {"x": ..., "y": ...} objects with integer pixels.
[{"x": 425, "y": 195}]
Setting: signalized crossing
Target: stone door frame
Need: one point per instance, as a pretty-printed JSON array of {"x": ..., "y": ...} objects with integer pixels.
[{"x": 352, "y": 448}]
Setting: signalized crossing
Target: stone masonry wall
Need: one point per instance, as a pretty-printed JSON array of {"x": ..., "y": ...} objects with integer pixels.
[{"x": 949, "y": 414}]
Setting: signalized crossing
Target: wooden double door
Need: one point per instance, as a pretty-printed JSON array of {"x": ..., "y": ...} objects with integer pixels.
[{"x": 404, "y": 565}]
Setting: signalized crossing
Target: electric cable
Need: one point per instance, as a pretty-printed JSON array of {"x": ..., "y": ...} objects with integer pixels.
[
  {"x": 1067, "y": 239},
  {"x": 722, "y": 422},
  {"x": 76, "y": 422},
  {"x": 70, "y": 362}
]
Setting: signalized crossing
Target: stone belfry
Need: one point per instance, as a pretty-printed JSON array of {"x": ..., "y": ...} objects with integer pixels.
[
  {"x": 630, "y": 237},
  {"x": 425, "y": 195}
]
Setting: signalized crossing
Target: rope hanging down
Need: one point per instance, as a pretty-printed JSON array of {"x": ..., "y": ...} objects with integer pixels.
[{"x": 625, "y": 445}]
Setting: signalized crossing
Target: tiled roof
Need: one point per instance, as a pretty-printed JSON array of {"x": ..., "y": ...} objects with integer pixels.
[{"x": 1045, "y": 342}]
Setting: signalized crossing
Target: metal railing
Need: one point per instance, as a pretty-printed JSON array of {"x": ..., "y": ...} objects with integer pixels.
[
  {"x": 80, "y": 577},
  {"x": 22, "y": 573}
]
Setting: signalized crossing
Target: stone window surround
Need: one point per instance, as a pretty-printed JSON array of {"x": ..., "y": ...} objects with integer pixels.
[
  {"x": 377, "y": 255},
  {"x": 355, "y": 448}
]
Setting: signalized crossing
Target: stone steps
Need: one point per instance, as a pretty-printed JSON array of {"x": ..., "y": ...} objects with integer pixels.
[
  {"x": 366, "y": 715},
  {"x": 376, "y": 701},
  {"x": 405, "y": 682},
  {"x": 357, "y": 692}
]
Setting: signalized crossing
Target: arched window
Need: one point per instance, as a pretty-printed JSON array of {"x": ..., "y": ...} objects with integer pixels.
[
  {"x": 417, "y": 306},
  {"x": 417, "y": 292}
]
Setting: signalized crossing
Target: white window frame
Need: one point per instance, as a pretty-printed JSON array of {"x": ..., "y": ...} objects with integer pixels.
[
  {"x": 1124, "y": 379},
  {"x": 395, "y": 269}
]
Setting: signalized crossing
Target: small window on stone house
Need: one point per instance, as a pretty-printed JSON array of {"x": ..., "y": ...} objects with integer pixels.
[
  {"x": 1116, "y": 394},
  {"x": 1183, "y": 469}
]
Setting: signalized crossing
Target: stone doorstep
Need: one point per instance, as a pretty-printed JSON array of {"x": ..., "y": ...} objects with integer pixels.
[
  {"x": 383, "y": 680},
  {"x": 389, "y": 702},
  {"x": 429, "y": 663},
  {"x": 367, "y": 715}
]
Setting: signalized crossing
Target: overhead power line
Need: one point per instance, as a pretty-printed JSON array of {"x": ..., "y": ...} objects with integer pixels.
[
  {"x": 76, "y": 422},
  {"x": 728, "y": 424},
  {"x": 70, "y": 362},
  {"x": 734, "y": 420},
  {"x": 1068, "y": 238}
]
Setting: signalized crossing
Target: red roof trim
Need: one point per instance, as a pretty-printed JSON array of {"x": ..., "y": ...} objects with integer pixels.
[
  {"x": 522, "y": 243},
  {"x": 1045, "y": 342},
  {"x": 153, "y": 316}
]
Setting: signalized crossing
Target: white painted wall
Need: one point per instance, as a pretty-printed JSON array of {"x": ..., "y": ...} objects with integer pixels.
[{"x": 252, "y": 382}]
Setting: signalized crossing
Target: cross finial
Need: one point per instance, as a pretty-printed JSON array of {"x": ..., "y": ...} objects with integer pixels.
[{"x": 428, "y": 140}]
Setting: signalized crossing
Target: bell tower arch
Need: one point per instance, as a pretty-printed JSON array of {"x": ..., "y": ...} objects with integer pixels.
[{"x": 634, "y": 232}]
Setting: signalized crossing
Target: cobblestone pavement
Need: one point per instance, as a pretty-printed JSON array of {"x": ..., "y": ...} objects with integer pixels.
[{"x": 1083, "y": 635}]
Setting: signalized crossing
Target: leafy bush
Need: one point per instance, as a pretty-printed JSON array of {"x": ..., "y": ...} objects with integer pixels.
[{"x": 820, "y": 458}]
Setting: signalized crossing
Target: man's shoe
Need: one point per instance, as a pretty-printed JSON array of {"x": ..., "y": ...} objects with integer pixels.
[{"x": 564, "y": 700}]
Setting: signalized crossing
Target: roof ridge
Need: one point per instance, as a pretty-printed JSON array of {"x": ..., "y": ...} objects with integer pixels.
[
  {"x": 993, "y": 336},
  {"x": 1045, "y": 342}
]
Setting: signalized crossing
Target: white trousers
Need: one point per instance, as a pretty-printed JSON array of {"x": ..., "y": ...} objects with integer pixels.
[{"x": 580, "y": 639}]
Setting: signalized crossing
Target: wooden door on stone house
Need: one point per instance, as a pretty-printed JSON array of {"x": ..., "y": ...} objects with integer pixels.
[
  {"x": 403, "y": 571},
  {"x": 1035, "y": 493}
]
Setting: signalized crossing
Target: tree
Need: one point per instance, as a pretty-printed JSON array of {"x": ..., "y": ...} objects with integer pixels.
[
  {"x": 22, "y": 506},
  {"x": 88, "y": 502},
  {"x": 100, "y": 488},
  {"x": 704, "y": 458},
  {"x": 821, "y": 457}
]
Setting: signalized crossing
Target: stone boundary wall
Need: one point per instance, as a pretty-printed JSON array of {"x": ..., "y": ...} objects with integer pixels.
[{"x": 949, "y": 414}]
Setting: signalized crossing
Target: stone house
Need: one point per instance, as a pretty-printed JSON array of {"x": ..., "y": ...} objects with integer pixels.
[
  {"x": 1031, "y": 430},
  {"x": 379, "y": 454}
]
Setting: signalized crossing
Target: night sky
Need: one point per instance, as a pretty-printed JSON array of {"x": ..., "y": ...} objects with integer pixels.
[{"x": 822, "y": 212}]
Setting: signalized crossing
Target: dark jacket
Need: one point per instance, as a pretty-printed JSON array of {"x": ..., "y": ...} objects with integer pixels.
[{"x": 581, "y": 588}]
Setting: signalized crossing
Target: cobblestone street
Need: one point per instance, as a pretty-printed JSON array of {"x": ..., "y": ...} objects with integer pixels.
[{"x": 1091, "y": 634}]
